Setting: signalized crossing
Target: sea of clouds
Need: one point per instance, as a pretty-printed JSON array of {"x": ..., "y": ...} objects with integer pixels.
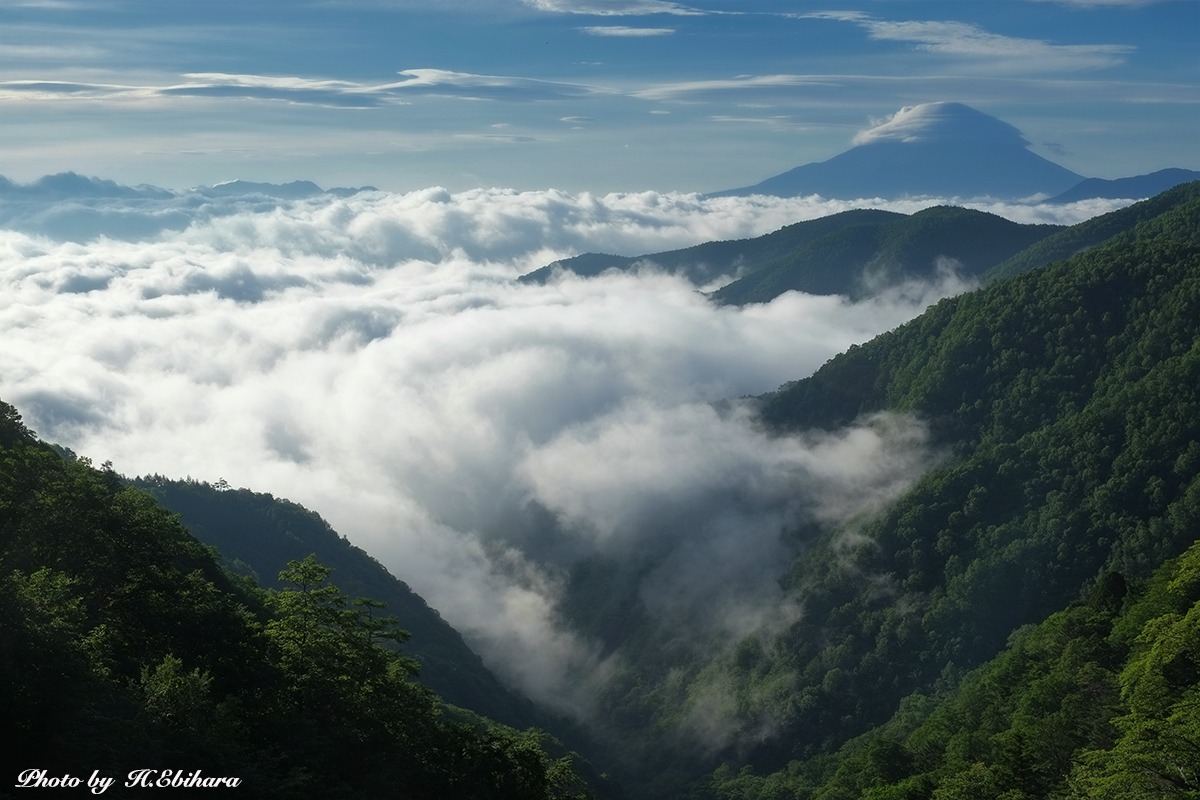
[{"x": 373, "y": 357}]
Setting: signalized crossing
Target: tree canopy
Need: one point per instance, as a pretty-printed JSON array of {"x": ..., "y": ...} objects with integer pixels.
[{"x": 123, "y": 643}]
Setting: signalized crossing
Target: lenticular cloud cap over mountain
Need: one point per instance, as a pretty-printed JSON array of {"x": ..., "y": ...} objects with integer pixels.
[
  {"x": 941, "y": 122},
  {"x": 934, "y": 149}
]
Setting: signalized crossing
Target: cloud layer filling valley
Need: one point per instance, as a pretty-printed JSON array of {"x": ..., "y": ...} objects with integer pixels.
[{"x": 373, "y": 358}]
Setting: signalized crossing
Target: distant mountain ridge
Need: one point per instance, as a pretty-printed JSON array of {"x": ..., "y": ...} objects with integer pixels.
[
  {"x": 949, "y": 150},
  {"x": 76, "y": 208},
  {"x": 293, "y": 190},
  {"x": 65, "y": 185},
  {"x": 68, "y": 185},
  {"x": 710, "y": 261},
  {"x": 1135, "y": 187},
  {"x": 859, "y": 261},
  {"x": 851, "y": 253},
  {"x": 857, "y": 252}
]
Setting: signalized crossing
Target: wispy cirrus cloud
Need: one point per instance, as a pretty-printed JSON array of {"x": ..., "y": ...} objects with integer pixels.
[
  {"x": 51, "y": 52},
  {"x": 775, "y": 121},
  {"x": 330, "y": 93},
  {"x": 1102, "y": 3},
  {"x": 510, "y": 138},
  {"x": 307, "y": 91},
  {"x": 614, "y": 8},
  {"x": 492, "y": 87},
  {"x": 722, "y": 86},
  {"x": 623, "y": 30},
  {"x": 969, "y": 41},
  {"x": 53, "y": 5},
  {"x": 292, "y": 89}
]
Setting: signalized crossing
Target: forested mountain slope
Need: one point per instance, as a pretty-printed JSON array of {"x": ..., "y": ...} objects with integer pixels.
[
  {"x": 865, "y": 259},
  {"x": 851, "y": 253},
  {"x": 1065, "y": 404},
  {"x": 1098, "y": 701},
  {"x": 705, "y": 263},
  {"x": 261, "y": 533},
  {"x": 1068, "y": 400},
  {"x": 124, "y": 645},
  {"x": 1078, "y": 238}
]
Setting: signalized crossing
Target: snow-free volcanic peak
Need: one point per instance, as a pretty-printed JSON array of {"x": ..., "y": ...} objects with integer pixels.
[{"x": 933, "y": 149}]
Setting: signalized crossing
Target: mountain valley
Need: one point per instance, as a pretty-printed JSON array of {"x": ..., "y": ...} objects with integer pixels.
[{"x": 1045, "y": 430}]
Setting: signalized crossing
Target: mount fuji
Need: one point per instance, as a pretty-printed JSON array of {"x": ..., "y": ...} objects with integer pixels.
[{"x": 935, "y": 149}]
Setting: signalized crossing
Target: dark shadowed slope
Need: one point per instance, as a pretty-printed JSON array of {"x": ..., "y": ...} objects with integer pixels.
[
  {"x": 259, "y": 533},
  {"x": 125, "y": 646}
]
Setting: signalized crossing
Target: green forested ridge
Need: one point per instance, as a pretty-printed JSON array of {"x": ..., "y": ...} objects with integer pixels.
[
  {"x": 856, "y": 252},
  {"x": 857, "y": 260},
  {"x": 259, "y": 532},
  {"x": 1068, "y": 401},
  {"x": 124, "y": 645},
  {"x": 1101, "y": 700},
  {"x": 1066, "y": 404},
  {"x": 704, "y": 263},
  {"x": 1078, "y": 238},
  {"x": 852, "y": 253}
]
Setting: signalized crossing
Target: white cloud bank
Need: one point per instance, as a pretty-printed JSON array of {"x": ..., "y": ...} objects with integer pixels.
[{"x": 373, "y": 358}]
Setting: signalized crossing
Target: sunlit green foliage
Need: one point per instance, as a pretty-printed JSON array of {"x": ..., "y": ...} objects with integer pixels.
[
  {"x": 1068, "y": 404},
  {"x": 1088, "y": 234},
  {"x": 1098, "y": 701},
  {"x": 1065, "y": 404}
]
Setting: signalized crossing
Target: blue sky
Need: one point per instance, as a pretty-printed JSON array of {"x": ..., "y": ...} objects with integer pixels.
[{"x": 581, "y": 95}]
